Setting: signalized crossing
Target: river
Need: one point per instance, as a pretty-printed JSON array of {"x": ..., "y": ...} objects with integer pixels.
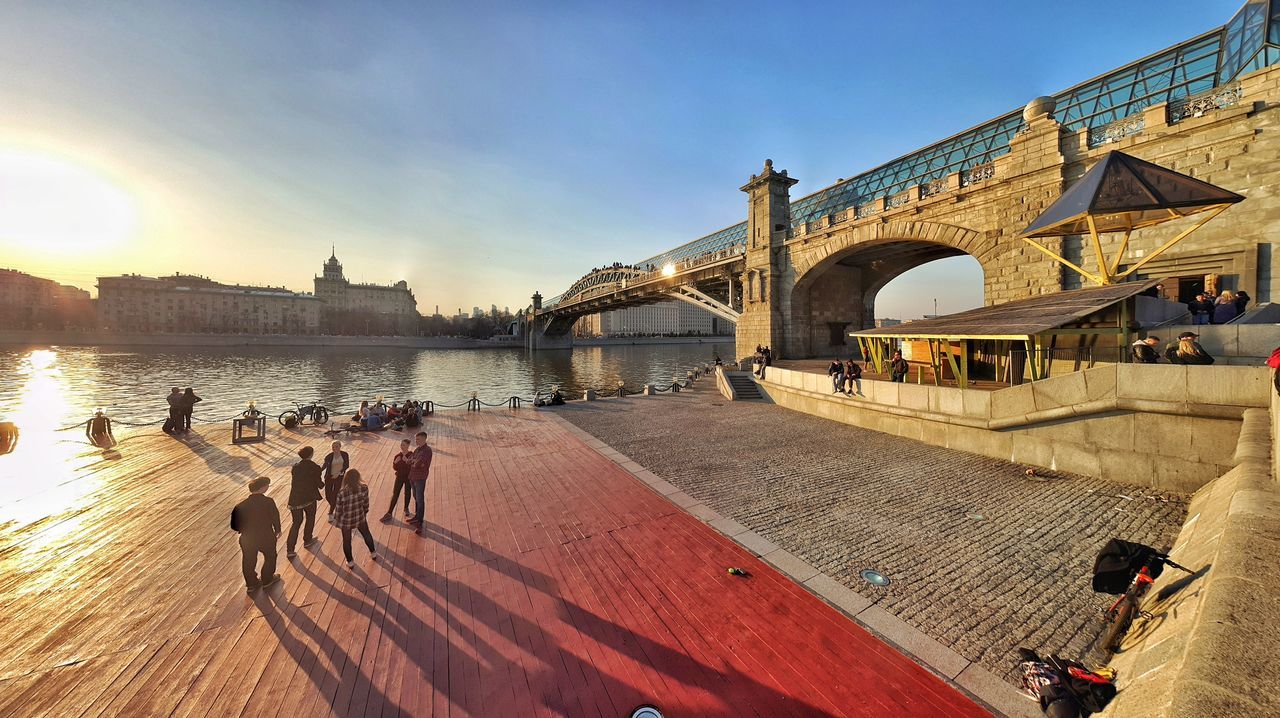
[{"x": 52, "y": 387}]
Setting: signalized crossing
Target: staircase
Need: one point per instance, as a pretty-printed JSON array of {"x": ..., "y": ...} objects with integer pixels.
[{"x": 742, "y": 386}]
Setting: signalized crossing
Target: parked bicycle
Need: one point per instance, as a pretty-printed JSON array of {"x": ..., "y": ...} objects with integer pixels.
[
  {"x": 1127, "y": 569},
  {"x": 314, "y": 411}
]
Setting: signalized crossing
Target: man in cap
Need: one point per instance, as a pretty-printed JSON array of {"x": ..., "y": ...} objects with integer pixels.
[{"x": 257, "y": 520}]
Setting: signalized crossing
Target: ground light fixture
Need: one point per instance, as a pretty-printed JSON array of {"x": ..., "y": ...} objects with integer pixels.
[
  {"x": 646, "y": 712},
  {"x": 873, "y": 577}
]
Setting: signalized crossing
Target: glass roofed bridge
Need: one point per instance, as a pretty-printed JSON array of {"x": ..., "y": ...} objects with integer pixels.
[{"x": 798, "y": 273}]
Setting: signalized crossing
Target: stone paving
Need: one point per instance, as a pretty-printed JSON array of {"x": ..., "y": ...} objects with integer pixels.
[{"x": 981, "y": 558}]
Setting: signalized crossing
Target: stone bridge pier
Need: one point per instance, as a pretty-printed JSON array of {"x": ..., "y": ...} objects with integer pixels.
[{"x": 804, "y": 288}]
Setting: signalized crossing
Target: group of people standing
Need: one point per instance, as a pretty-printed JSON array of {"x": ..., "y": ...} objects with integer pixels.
[
  {"x": 1208, "y": 308},
  {"x": 846, "y": 377},
  {"x": 338, "y": 484},
  {"x": 181, "y": 405},
  {"x": 763, "y": 358}
]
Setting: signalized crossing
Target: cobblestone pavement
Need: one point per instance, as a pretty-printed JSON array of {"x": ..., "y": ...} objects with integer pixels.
[{"x": 982, "y": 558}]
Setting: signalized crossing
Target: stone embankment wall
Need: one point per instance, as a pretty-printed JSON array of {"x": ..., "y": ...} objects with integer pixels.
[
  {"x": 1171, "y": 427},
  {"x": 1211, "y": 646}
]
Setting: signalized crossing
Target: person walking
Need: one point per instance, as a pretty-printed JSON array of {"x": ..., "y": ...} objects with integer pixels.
[
  {"x": 1224, "y": 309},
  {"x": 836, "y": 371},
  {"x": 304, "y": 494},
  {"x": 257, "y": 520},
  {"x": 1201, "y": 309},
  {"x": 400, "y": 464},
  {"x": 188, "y": 405},
  {"x": 353, "y": 510},
  {"x": 1144, "y": 350},
  {"x": 419, "y": 470},
  {"x": 335, "y": 465},
  {"x": 853, "y": 377},
  {"x": 175, "y": 411},
  {"x": 898, "y": 367},
  {"x": 1187, "y": 350},
  {"x": 98, "y": 430}
]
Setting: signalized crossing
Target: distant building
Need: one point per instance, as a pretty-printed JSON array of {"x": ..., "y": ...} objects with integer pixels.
[
  {"x": 476, "y": 313},
  {"x": 351, "y": 307},
  {"x": 191, "y": 304},
  {"x": 28, "y": 302},
  {"x": 888, "y": 322},
  {"x": 671, "y": 317}
]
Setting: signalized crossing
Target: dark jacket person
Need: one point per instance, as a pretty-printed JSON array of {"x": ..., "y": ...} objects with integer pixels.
[
  {"x": 305, "y": 489},
  {"x": 257, "y": 520}
]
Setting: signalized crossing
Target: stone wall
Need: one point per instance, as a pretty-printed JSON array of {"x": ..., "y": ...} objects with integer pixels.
[
  {"x": 1210, "y": 647},
  {"x": 1171, "y": 427}
]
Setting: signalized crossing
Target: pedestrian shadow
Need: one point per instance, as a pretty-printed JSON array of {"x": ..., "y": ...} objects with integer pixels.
[{"x": 218, "y": 460}]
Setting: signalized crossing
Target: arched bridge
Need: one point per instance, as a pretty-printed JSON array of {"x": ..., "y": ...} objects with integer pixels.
[{"x": 798, "y": 275}]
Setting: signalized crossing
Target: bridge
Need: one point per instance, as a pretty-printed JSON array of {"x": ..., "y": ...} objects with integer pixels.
[{"x": 798, "y": 275}]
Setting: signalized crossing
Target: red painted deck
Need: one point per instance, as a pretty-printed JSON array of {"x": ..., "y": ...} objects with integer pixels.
[{"x": 549, "y": 582}]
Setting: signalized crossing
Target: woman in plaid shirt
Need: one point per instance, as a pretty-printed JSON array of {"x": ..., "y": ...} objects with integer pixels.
[{"x": 351, "y": 513}]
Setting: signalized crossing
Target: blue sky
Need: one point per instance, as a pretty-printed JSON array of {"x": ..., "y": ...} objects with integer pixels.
[{"x": 484, "y": 150}]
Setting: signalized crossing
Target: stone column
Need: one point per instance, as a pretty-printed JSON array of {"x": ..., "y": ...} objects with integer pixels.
[{"x": 768, "y": 217}]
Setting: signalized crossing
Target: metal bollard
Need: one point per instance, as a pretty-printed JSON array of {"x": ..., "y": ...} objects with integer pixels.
[
  {"x": 648, "y": 390},
  {"x": 513, "y": 402},
  {"x": 589, "y": 395}
]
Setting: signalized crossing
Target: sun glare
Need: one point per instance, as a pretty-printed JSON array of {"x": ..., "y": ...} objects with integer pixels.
[{"x": 52, "y": 203}]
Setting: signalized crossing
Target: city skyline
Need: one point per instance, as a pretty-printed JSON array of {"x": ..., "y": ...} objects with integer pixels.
[{"x": 480, "y": 156}]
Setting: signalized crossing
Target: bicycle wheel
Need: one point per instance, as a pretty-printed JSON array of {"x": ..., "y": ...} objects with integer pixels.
[
  {"x": 1119, "y": 627},
  {"x": 288, "y": 418},
  {"x": 320, "y": 415}
]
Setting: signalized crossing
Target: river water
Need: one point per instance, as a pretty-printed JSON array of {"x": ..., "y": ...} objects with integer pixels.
[{"x": 47, "y": 388}]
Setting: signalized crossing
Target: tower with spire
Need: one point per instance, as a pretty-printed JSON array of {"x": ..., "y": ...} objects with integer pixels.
[
  {"x": 332, "y": 267},
  {"x": 357, "y": 307}
]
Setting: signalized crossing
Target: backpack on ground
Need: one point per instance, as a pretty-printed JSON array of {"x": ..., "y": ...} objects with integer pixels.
[
  {"x": 169, "y": 426},
  {"x": 1119, "y": 561}
]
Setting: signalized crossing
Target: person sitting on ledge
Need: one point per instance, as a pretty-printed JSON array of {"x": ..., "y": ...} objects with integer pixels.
[
  {"x": 1144, "y": 350},
  {"x": 98, "y": 430}
]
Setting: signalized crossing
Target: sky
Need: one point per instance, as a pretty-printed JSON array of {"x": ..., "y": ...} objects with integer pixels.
[{"x": 484, "y": 150}]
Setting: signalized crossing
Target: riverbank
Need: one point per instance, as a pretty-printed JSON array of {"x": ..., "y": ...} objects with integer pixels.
[
  {"x": 981, "y": 559},
  {"x": 71, "y": 338}
]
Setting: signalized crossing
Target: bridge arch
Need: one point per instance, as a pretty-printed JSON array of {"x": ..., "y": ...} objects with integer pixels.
[{"x": 836, "y": 281}]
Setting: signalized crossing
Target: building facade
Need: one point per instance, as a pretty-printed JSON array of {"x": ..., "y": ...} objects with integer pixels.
[
  {"x": 669, "y": 317},
  {"x": 190, "y": 304},
  {"x": 28, "y": 302},
  {"x": 350, "y": 307}
]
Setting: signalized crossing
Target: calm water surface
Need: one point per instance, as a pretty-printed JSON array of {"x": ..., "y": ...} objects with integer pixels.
[{"x": 60, "y": 385}]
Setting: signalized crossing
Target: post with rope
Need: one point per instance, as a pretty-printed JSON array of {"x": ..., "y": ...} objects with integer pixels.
[{"x": 473, "y": 404}]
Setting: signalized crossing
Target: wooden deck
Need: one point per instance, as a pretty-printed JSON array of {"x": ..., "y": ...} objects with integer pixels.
[{"x": 549, "y": 582}]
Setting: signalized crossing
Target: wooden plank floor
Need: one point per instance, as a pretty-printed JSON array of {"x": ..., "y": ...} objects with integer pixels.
[{"x": 549, "y": 582}]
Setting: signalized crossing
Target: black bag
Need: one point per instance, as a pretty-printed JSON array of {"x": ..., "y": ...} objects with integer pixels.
[
  {"x": 1080, "y": 692},
  {"x": 169, "y": 426},
  {"x": 1119, "y": 561}
]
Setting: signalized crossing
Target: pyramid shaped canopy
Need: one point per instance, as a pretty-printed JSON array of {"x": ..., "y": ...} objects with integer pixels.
[{"x": 1123, "y": 193}]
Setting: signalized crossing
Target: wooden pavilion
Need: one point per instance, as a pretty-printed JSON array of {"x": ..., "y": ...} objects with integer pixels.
[{"x": 1020, "y": 336}]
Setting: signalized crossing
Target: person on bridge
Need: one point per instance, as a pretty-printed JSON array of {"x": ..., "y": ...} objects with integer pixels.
[
  {"x": 853, "y": 377},
  {"x": 898, "y": 367},
  {"x": 257, "y": 520},
  {"x": 836, "y": 372},
  {"x": 1144, "y": 350},
  {"x": 305, "y": 485},
  {"x": 98, "y": 430},
  {"x": 419, "y": 470},
  {"x": 1201, "y": 309}
]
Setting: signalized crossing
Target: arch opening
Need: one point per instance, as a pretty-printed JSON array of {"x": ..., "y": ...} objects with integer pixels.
[{"x": 840, "y": 294}]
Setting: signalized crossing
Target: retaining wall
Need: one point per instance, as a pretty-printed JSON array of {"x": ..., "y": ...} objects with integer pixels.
[
  {"x": 1172, "y": 427},
  {"x": 1211, "y": 647}
]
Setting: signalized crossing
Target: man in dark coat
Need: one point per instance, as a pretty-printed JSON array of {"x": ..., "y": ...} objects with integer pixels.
[
  {"x": 1201, "y": 309},
  {"x": 257, "y": 520},
  {"x": 304, "y": 492},
  {"x": 419, "y": 471},
  {"x": 1144, "y": 350},
  {"x": 898, "y": 368}
]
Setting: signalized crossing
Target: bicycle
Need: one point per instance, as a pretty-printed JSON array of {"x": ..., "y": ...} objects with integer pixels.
[
  {"x": 1121, "y": 613},
  {"x": 314, "y": 411}
]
